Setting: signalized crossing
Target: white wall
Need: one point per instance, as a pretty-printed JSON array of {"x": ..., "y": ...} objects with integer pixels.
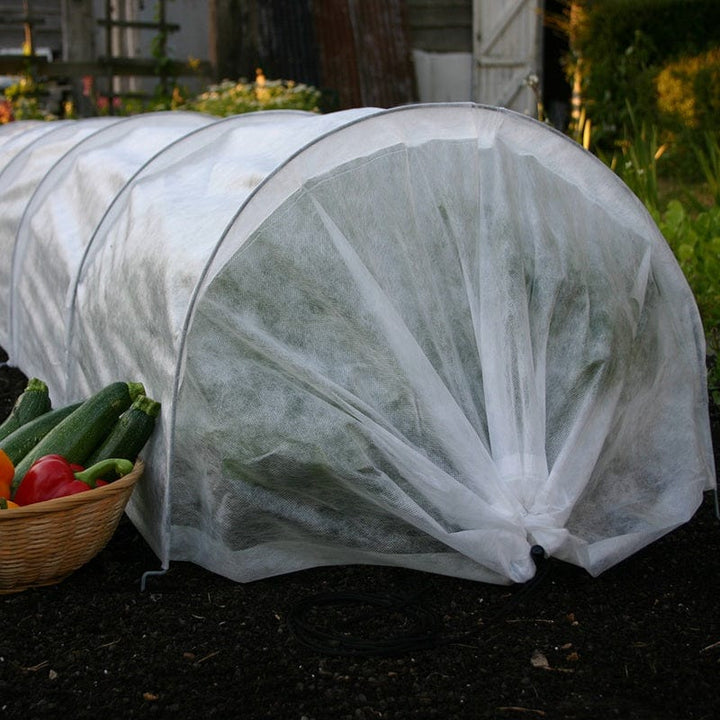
[{"x": 443, "y": 77}]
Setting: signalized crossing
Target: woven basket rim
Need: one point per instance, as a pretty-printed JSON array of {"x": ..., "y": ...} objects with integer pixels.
[{"x": 77, "y": 500}]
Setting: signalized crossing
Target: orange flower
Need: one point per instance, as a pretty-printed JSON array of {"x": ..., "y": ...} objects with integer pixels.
[{"x": 6, "y": 112}]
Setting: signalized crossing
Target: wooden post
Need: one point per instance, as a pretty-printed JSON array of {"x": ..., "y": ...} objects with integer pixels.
[
  {"x": 162, "y": 29},
  {"x": 78, "y": 30},
  {"x": 233, "y": 41},
  {"x": 77, "y": 21}
]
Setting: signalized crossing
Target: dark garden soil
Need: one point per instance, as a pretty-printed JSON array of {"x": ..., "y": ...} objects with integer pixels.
[{"x": 640, "y": 641}]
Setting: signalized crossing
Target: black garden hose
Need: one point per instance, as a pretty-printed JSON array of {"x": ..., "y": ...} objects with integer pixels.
[{"x": 420, "y": 627}]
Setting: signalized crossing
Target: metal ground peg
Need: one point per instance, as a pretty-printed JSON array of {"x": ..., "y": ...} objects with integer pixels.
[{"x": 149, "y": 573}]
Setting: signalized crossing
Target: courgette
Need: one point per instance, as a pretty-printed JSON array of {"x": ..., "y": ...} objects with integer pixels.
[
  {"x": 33, "y": 401},
  {"x": 19, "y": 443},
  {"x": 85, "y": 428},
  {"x": 130, "y": 433}
]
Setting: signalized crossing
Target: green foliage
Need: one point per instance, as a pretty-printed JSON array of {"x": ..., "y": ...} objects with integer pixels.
[
  {"x": 690, "y": 224},
  {"x": 24, "y": 99},
  {"x": 707, "y": 156},
  {"x": 688, "y": 91},
  {"x": 28, "y": 108},
  {"x": 163, "y": 63},
  {"x": 231, "y": 98},
  {"x": 695, "y": 241},
  {"x": 641, "y": 150},
  {"x": 609, "y": 88},
  {"x": 676, "y": 27},
  {"x": 623, "y": 45}
]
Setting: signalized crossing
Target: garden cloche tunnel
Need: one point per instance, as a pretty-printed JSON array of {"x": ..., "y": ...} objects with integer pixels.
[{"x": 432, "y": 336}]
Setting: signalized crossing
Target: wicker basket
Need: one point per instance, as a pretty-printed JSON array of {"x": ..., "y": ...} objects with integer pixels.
[{"x": 43, "y": 543}]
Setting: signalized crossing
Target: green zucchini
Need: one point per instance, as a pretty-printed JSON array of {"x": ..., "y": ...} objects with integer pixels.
[
  {"x": 83, "y": 430},
  {"x": 130, "y": 433},
  {"x": 33, "y": 401},
  {"x": 19, "y": 443}
]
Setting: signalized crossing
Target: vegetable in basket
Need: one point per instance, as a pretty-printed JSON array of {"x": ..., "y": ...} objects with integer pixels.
[
  {"x": 21, "y": 441},
  {"x": 7, "y": 470},
  {"x": 34, "y": 401},
  {"x": 130, "y": 433},
  {"x": 79, "y": 433},
  {"x": 53, "y": 476}
]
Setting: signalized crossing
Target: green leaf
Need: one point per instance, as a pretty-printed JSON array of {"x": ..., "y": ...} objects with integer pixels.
[{"x": 685, "y": 253}]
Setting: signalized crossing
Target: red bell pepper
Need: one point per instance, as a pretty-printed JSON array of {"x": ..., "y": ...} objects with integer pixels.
[{"x": 53, "y": 476}]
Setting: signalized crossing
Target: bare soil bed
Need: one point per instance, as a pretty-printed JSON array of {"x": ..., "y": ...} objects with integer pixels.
[{"x": 640, "y": 641}]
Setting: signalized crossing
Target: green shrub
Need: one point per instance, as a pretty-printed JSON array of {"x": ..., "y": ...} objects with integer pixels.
[
  {"x": 688, "y": 91},
  {"x": 231, "y": 98},
  {"x": 695, "y": 241},
  {"x": 640, "y": 150},
  {"x": 707, "y": 157},
  {"x": 625, "y": 44},
  {"x": 23, "y": 101},
  {"x": 691, "y": 226}
]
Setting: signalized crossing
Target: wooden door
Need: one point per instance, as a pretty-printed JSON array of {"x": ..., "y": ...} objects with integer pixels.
[
  {"x": 507, "y": 53},
  {"x": 365, "y": 55}
]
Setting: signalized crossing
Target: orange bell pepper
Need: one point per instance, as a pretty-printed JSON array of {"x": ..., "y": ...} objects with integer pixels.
[
  {"x": 7, "y": 471},
  {"x": 7, "y": 504}
]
